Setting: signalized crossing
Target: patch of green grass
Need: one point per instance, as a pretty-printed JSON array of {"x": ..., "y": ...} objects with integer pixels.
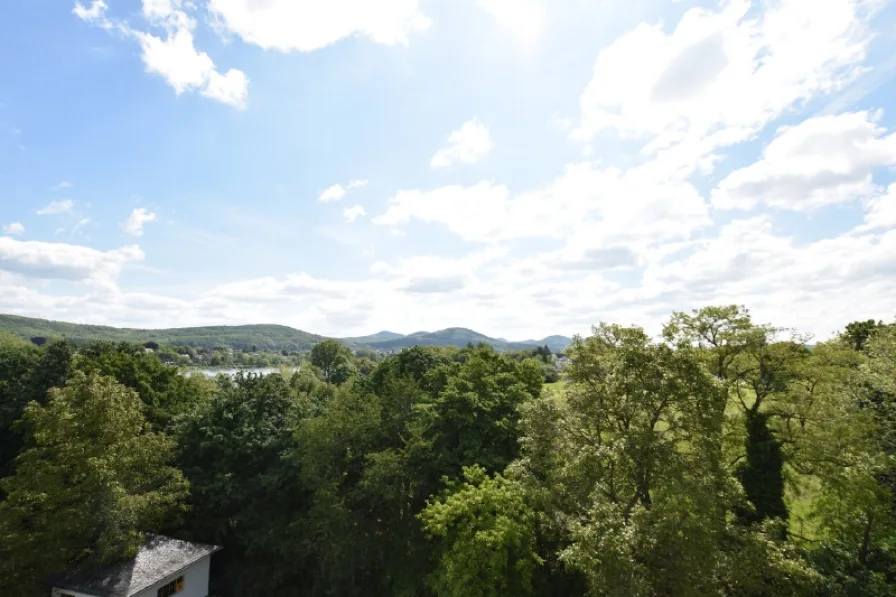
[
  {"x": 801, "y": 492},
  {"x": 557, "y": 385},
  {"x": 800, "y": 498}
]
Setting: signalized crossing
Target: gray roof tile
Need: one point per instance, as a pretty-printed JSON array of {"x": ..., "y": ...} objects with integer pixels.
[{"x": 157, "y": 559}]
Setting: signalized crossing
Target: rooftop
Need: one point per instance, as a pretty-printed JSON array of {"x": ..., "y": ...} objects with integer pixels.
[{"x": 157, "y": 559}]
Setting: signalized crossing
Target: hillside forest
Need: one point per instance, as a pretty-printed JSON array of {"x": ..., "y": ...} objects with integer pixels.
[
  {"x": 258, "y": 340},
  {"x": 724, "y": 458}
]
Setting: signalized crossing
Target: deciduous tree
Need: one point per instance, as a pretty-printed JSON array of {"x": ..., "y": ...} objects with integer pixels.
[
  {"x": 758, "y": 364},
  {"x": 486, "y": 536},
  {"x": 94, "y": 481},
  {"x": 334, "y": 359}
]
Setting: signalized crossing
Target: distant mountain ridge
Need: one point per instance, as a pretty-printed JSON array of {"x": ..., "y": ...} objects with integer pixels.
[
  {"x": 555, "y": 343},
  {"x": 455, "y": 337},
  {"x": 377, "y": 337},
  {"x": 260, "y": 336}
]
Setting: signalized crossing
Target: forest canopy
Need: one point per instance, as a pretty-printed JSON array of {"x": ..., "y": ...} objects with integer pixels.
[{"x": 725, "y": 457}]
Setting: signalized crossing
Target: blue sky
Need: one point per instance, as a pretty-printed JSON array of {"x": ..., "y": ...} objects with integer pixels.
[{"x": 520, "y": 167}]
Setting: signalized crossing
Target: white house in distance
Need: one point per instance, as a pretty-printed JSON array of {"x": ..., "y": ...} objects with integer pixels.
[{"x": 163, "y": 567}]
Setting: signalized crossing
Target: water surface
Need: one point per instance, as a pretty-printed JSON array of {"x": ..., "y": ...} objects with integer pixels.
[{"x": 234, "y": 370}]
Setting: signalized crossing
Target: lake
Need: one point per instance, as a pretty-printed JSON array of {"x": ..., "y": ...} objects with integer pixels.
[{"x": 233, "y": 371}]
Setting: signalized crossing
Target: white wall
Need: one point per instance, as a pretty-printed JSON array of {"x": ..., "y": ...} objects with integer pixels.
[{"x": 195, "y": 581}]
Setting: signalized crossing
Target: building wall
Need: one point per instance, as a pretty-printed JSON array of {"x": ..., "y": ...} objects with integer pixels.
[{"x": 195, "y": 581}]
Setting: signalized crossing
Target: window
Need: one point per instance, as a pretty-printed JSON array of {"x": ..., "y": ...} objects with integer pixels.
[{"x": 175, "y": 586}]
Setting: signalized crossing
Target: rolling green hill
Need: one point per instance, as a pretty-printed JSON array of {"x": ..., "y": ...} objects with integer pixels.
[{"x": 264, "y": 337}]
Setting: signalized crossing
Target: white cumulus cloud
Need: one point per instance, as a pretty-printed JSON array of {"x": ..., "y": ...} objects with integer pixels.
[
  {"x": 56, "y": 208},
  {"x": 63, "y": 261},
  {"x": 353, "y": 213},
  {"x": 820, "y": 161},
  {"x": 337, "y": 191},
  {"x": 308, "y": 25},
  {"x": 176, "y": 59},
  {"x": 333, "y": 193},
  {"x": 135, "y": 222},
  {"x": 14, "y": 228},
  {"x": 95, "y": 12},
  {"x": 584, "y": 200},
  {"x": 183, "y": 66},
  {"x": 468, "y": 144},
  {"x": 722, "y": 75},
  {"x": 231, "y": 88},
  {"x": 174, "y": 55},
  {"x": 810, "y": 286},
  {"x": 881, "y": 210}
]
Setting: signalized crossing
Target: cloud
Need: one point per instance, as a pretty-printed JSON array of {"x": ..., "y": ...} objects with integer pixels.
[
  {"x": 134, "y": 224},
  {"x": 185, "y": 68},
  {"x": 353, "y": 213},
  {"x": 306, "y": 25},
  {"x": 475, "y": 213},
  {"x": 14, "y": 228},
  {"x": 284, "y": 25},
  {"x": 337, "y": 191},
  {"x": 174, "y": 56},
  {"x": 231, "y": 88},
  {"x": 270, "y": 289},
  {"x": 333, "y": 193},
  {"x": 96, "y": 12},
  {"x": 468, "y": 144},
  {"x": 176, "y": 59},
  {"x": 161, "y": 10},
  {"x": 807, "y": 285},
  {"x": 63, "y": 261},
  {"x": 600, "y": 258},
  {"x": 437, "y": 265},
  {"x": 435, "y": 274},
  {"x": 431, "y": 285},
  {"x": 584, "y": 200},
  {"x": 63, "y": 185},
  {"x": 56, "y": 207},
  {"x": 820, "y": 161},
  {"x": 721, "y": 76},
  {"x": 881, "y": 211}
]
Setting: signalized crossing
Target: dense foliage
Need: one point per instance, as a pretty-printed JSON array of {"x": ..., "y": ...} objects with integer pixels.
[
  {"x": 724, "y": 459},
  {"x": 92, "y": 479}
]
